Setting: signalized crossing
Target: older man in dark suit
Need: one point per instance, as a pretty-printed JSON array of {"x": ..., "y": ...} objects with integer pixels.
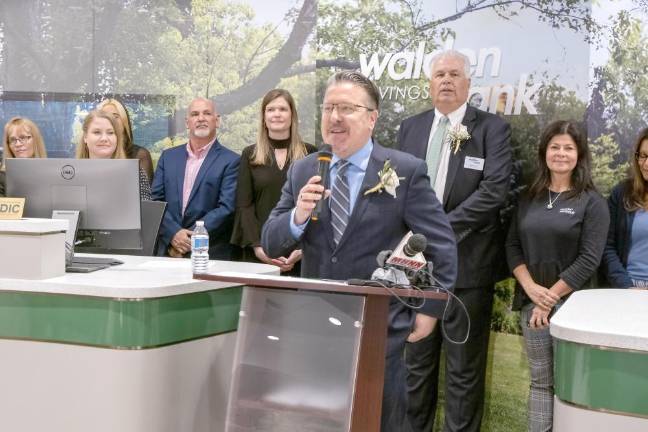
[
  {"x": 355, "y": 225},
  {"x": 469, "y": 162}
]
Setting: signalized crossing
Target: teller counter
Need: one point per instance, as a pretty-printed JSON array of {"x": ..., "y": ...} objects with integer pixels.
[
  {"x": 134, "y": 348},
  {"x": 601, "y": 361}
]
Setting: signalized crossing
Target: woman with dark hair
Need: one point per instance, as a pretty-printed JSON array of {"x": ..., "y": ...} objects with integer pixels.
[
  {"x": 554, "y": 246},
  {"x": 625, "y": 260},
  {"x": 262, "y": 174},
  {"x": 133, "y": 151}
]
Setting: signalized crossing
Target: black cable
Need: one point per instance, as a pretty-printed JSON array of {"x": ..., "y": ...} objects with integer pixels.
[
  {"x": 451, "y": 295},
  {"x": 436, "y": 285}
]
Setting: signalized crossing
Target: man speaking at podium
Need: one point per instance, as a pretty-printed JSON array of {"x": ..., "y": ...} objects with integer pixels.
[{"x": 363, "y": 216}]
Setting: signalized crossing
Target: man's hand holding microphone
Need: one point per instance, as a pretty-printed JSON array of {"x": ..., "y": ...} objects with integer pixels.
[{"x": 309, "y": 201}]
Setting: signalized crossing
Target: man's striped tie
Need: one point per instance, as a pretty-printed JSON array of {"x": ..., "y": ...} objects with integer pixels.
[{"x": 340, "y": 204}]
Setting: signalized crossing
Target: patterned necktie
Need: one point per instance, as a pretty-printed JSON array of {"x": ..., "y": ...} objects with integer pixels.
[
  {"x": 340, "y": 203},
  {"x": 433, "y": 155}
]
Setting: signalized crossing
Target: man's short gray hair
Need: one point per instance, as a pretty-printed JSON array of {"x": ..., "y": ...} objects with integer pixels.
[
  {"x": 452, "y": 53},
  {"x": 360, "y": 80}
]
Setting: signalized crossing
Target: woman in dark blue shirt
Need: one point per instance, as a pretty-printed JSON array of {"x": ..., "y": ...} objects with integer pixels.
[
  {"x": 625, "y": 260},
  {"x": 554, "y": 247}
]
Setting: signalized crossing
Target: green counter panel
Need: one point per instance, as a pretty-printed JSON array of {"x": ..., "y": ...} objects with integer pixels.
[
  {"x": 118, "y": 323},
  {"x": 602, "y": 379}
]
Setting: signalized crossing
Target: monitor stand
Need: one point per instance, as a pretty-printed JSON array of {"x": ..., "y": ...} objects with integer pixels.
[{"x": 77, "y": 264}]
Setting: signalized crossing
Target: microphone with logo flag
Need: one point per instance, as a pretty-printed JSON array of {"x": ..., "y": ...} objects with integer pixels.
[{"x": 400, "y": 266}]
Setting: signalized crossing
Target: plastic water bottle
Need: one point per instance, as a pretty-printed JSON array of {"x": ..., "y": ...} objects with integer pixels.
[{"x": 200, "y": 248}]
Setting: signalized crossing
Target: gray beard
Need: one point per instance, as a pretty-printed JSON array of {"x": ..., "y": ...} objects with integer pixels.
[{"x": 201, "y": 133}]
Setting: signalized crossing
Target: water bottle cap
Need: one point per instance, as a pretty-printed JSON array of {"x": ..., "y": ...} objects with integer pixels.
[{"x": 200, "y": 223}]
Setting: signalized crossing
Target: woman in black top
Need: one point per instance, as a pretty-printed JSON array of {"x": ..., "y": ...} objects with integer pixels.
[
  {"x": 133, "y": 151},
  {"x": 262, "y": 174},
  {"x": 554, "y": 247}
]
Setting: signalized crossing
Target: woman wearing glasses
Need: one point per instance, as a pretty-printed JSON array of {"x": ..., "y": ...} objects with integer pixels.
[
  {"x": 625, "y": 260},
  {"x": 133, "y": 151},
  {"x": 22, "y": 139},
  {"x": 262, "y": 174},
  {"x": 554, "y": 247}
]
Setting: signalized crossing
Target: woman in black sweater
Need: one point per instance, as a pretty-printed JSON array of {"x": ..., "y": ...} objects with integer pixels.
[
  {"x": 262, "y": 174},
  {"x": 554, "y": 247}
]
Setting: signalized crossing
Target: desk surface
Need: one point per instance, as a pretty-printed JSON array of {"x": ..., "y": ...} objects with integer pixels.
[
  {"x": 614, "y": 318},
  {"x": 139, "y": 277}
]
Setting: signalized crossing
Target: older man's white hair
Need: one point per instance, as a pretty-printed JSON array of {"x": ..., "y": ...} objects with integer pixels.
[{"x": 453, "y": 54}]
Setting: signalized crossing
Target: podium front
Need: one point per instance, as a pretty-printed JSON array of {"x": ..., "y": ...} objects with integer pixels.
[{"x": 310, "y": 355}]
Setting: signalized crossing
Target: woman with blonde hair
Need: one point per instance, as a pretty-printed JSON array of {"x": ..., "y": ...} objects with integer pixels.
[
  {"x": 22, "y": 139},
  {"x": 262, "y": 173},
  {"x": 625, "y": 259},
  {"x": 102, "y": 139},
  {"x": 133, "y": 151}
]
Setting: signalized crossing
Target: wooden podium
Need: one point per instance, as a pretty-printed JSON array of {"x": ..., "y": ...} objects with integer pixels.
[{"x": 310, "y": 354}]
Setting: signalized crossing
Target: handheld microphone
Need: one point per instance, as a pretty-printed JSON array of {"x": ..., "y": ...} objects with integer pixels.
[
  {"x": 400, "y": 266},
  {"x": 409, "y": 253},
  {"x": 324, "y": 157}
]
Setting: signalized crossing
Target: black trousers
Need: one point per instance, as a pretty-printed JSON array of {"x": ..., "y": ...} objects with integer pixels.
[{"x": 465, "y": 366}]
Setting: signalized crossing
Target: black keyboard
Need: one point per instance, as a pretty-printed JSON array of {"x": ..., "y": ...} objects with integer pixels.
[{"x": 84, "y": 268}]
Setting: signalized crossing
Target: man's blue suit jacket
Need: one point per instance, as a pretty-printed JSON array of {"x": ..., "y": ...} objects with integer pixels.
[
  {"x": 212, "y": 199},
  {"x": 378, "y": 222}
]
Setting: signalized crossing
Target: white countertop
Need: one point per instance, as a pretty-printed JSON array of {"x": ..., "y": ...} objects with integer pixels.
[
  {"x": 615, "y": 318},
  {"x": 138, "y": 277}
]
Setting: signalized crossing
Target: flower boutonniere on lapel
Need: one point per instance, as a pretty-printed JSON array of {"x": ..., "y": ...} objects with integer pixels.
[
  {"x": 457, "y": 135},
  {"x": 388, "y": 180}
]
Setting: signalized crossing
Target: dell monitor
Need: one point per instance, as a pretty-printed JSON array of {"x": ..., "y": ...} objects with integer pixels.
[{"x": 105, "y": 191}]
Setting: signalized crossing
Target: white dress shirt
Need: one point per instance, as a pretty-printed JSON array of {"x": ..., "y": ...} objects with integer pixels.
[{"x": 454, "y": 118}]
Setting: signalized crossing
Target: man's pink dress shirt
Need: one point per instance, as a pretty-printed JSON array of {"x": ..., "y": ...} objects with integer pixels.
[{"x": 194, "y": 162}]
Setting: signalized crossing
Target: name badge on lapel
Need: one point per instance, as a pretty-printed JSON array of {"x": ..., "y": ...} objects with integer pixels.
[{"x": 474, "y": 163}]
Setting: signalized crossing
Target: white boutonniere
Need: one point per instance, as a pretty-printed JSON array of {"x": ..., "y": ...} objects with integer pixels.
[
  {"x": 388, "y": 180},
  {"x": 457, "y": 136}
]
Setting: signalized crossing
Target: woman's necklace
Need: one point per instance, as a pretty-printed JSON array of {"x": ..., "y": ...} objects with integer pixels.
[{"x": 552, "y": 201}]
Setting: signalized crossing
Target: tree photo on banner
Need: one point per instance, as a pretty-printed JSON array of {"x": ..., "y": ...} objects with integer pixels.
[{"x": 231, "y": 51}]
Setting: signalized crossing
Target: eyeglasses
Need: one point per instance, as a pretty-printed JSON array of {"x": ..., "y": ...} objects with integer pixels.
[
  {"x": 343, "y": 109},
  {"x": 641, "y": 157},
  {"x": 23, "y": 139}
]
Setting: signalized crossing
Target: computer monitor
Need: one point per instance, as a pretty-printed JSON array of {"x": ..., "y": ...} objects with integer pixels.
[{"x": 105, "y": 191}]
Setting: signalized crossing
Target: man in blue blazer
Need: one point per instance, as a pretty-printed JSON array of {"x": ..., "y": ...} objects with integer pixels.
[
  {"x": 357, "y": 223},
  {"x": 198, "y": 182},
  {"x": 469, "y": 161}
]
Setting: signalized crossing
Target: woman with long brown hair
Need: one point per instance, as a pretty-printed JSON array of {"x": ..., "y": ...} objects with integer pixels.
[
  {"x": 262, "y": 174},
  {"x": 625, "y": 260},
  {"x": 553, "y": 248}
]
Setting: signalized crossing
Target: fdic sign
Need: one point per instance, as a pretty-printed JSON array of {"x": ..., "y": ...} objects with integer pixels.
[{"x": 11, "y": 208}]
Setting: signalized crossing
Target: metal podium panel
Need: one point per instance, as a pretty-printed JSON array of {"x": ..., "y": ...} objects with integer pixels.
[{"x": 295, "y": 361}]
